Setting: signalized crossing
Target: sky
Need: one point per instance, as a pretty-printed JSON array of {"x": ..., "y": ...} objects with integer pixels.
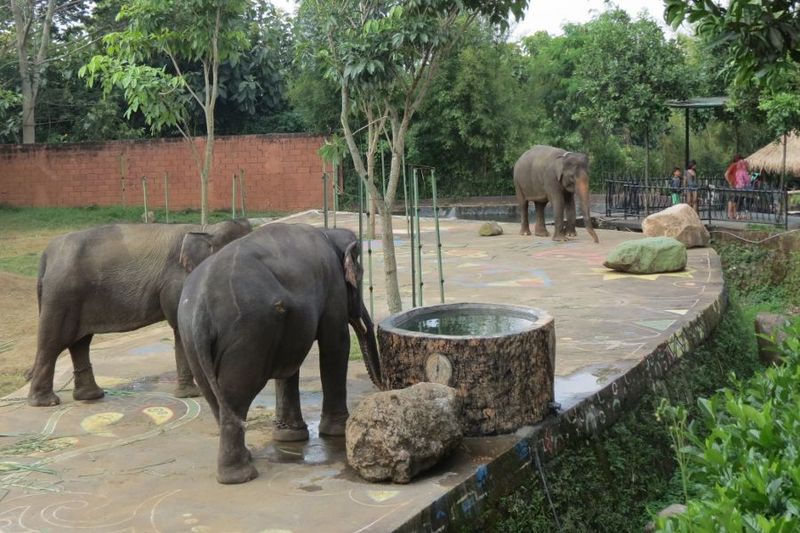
[{"x": 550, "y": 15}]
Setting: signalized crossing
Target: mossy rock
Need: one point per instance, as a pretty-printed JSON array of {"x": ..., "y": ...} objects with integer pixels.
[{"x": 651, "y": 255}]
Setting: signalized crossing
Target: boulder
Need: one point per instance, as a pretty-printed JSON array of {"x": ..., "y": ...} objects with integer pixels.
[
  {"x": 650, "y": 255},
  {"x": 397, "y": 434},
  {"x": 679, "y": 222},
  {"x": 490, "y": 229},
  {"x": 672, "y": 510},
  {"x": 770, "y": 324}
]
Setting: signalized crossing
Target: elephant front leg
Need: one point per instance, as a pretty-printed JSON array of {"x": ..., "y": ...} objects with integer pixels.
[
  {"x": 186, "y": 387},
  {"x": 569, "y": 208},
  {"x": 558, "y": 220},
  {"x": 540, "y": 230},
  {"x": 86, "y": 387},
  {"x": 289, "y": 424},
  {"x": 334, "y": 350}
]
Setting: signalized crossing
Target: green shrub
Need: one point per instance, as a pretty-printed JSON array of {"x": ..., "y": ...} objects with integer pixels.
[{"x": 743, "y": 452}]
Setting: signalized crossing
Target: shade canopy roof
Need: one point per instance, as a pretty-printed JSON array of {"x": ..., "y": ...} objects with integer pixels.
[
  {"x": 699, "y": 103},
  {"x": 770, "y": 157}
]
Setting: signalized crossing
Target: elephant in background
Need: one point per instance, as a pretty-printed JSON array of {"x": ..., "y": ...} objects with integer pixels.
[
  {"x": 111, "y": 279},
  {"x": 251, "y": 313},
  {"x": 546, "y": 174}
]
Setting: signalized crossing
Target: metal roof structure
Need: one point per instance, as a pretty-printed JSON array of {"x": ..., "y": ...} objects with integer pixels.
[{"x": 705, "y": 102}]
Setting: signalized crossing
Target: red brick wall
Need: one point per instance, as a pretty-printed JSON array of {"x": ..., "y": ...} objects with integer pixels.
[{"x": 281, "y": 172}]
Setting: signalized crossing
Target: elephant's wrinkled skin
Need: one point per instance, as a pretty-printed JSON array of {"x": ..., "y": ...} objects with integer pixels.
[
  {"x": 547, "y": 174},
  {"x": 251, "y": 313},
  {"x": 110, "y": 279}
]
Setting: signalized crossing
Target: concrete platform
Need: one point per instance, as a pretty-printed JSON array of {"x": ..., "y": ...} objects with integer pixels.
[{"x": 142, "y": 460}]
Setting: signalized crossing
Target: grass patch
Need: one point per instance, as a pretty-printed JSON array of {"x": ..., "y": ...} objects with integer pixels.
[
  {"x": 355, "y": 349},
  {"x": 9, "y": 382},
  {"x": 31, "y": 224}
]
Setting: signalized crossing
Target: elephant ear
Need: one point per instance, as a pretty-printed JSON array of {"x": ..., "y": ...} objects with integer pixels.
[
  {"x": 559, "y": 166},
  {"x": 352, "y": 269},
  {"x": 196, "y": 246}
]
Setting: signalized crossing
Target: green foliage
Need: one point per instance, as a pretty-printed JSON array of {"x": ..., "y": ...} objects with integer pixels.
[
  {"x": 743, "y": 452},
  {"x": 760, "y": 39},
  {"x": 616, "y": 481},
  {"x": 782, "y": 110}
]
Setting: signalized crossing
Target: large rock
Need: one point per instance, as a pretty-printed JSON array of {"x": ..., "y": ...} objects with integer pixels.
[
  {"x": 490, "y": 229},
  {"x": 397, "y": 434},
  {"x": 770, "y": 324},
  {"x": 650, "y": 255},
  {"x": 679, "y": 222}
]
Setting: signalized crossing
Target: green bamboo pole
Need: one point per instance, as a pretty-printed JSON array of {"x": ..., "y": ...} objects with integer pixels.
[
  {"x": 166, "y": 197},
  {"x": 144, "y": 192},
  {"x": 411, "y": 240},
  {"x": 325, "y": 198},
  {"x": 360, "y": 231},
  {"x": 335, "y": 192},
  {"x": 438, "y": 236},
  {"x": 419, "y": 232},
  {"x": 233, "y": 197},
  {"x": 242, "y": 193}
]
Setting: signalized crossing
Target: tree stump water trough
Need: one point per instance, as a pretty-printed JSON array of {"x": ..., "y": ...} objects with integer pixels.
[{"x": 500, "y": 359}]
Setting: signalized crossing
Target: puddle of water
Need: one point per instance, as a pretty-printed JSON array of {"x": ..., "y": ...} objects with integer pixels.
[{"x": 569, "y": 390}]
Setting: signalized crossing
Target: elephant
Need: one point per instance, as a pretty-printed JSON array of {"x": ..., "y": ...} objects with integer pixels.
[
  {"x": 115, "y": 278},
  {"x": 547, "y": 174},
  {"x": 251, "y": 313}
]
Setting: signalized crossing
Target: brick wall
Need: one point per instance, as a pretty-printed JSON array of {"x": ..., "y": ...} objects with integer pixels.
[{"x": 281, "y": 172}]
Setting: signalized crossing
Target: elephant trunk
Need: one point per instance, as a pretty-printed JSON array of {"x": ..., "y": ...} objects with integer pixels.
[
  {"x": 365, "y": 332},
  {"x": 582, "y": 188}
]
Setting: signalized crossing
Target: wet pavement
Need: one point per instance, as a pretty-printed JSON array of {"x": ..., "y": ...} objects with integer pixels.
[{"x": 142, "y": 460}]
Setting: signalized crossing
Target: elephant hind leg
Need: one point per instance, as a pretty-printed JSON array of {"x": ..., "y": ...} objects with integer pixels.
[
  {"x": 85, "y": 386},
  {"x": 539, "y": 229},
  {"x": 186, "y": 387},
  {"x": 289, "y": 423},
  {"x": 522, "y": 204},
  {"x": 234, "y": 461},
  {"x": 49, "y": 347}
]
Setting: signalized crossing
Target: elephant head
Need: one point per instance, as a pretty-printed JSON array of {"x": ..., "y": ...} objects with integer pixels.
[
  {"x": 573, "y": 173},
  {"x": 198, "y": 245},
  {"x": 358, "y": 316}
]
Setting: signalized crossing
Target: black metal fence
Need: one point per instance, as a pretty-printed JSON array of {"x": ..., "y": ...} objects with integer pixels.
[{"x": 760, "y": 204}]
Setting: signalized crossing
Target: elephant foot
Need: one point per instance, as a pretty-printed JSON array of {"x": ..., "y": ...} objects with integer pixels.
[
  {"x": 187, "y": 391},
  {"x": 88, "y": 393},
  {"x": 571, "y": 233},
  {"x": 43, "y": 399},
  {"x": 525, "y": 231},
  {"x": 542, "y": 233},
  {"x": 333, "y": 426},
  {"x": 234, "y": 474},
  {"x": 282, "y": 433},
  {"x": 559, "y": 238}
]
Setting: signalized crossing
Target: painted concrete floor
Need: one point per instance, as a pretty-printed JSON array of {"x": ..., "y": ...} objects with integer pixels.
[{"x": 142, "y": 460}]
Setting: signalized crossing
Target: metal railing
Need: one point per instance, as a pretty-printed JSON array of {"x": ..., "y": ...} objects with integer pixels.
[{"x": 761, "y": 204}]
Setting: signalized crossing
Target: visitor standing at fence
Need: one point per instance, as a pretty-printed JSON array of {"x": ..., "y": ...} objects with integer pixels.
[
  {"x": 675, "y": 185},
  {"x": 742, "y": 176},
  {"x": 730, "y": 177},
  {"x": 690, "y": 184}
]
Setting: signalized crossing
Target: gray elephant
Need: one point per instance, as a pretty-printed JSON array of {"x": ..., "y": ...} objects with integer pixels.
[
  {"x": 252, "y": 312},
  {"x": 546, "y": 174},
  {"x": 110, "y": 279}
]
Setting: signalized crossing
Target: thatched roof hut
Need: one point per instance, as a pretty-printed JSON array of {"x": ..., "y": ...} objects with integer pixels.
[{"x": 770, "y": 157}]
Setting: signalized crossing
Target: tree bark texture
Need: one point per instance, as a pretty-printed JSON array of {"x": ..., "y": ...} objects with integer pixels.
[{"x": 505, "y": 382}]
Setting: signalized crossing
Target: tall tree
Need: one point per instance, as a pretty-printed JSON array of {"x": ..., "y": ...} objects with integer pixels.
[
  {"x": 383, "y": 54},
  {"x": 34, "y": 28},
  {"x": 627, "y": 72},
  {"x": 147, "y": 61}
]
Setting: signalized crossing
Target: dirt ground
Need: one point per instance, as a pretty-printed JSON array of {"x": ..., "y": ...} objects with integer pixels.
[{"x": 18, "y": 320}]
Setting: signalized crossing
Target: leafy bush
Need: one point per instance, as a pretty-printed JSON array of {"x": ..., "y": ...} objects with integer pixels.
[{"x": 743, "y": 471}]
